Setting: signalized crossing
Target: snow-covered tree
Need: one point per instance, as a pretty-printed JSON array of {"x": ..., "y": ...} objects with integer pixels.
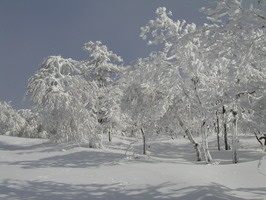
[
  {"x": 11, "y": 123},
  {"x": 218, "y": 63},
  {"x": 146, "y": 97},
  {"x": 190, "y": 75},
  {"x": 32, "y": 128},
  {"x": 20, "y": 123},
  {"x": 115, "y": 120},
  {"x": 237, "y": 34},
  {"x": 103, "y": 69},
  {"x": 64, "y": 101},
  {"x": 101, "y": 64}
]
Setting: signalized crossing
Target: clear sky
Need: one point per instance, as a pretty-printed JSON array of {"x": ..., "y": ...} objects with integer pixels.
[{"x": 31, "y": 30}]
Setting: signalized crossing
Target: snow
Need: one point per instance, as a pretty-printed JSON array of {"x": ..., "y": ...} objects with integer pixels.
[{"x": 35, "y": 169}]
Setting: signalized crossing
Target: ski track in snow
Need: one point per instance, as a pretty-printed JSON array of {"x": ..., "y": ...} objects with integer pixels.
[{"x": 39, "y": 170}]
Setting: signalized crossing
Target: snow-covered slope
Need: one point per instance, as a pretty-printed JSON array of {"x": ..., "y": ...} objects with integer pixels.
[{"x": 33, "y": 169}]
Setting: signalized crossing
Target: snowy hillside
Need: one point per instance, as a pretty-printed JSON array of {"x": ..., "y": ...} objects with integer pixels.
[{"x": 39, "y": 170}]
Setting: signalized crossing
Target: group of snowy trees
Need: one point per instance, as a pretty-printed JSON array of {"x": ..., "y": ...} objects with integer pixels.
[
  {"x": 73, "y": 99},
  {"x": 21, "y": 123},
  {"x": 217, "y": 68},
  {"x": 205, "y": 80}
]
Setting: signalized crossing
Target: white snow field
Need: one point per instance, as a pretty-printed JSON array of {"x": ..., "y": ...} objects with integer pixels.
[{"x": 35, "y": 169}]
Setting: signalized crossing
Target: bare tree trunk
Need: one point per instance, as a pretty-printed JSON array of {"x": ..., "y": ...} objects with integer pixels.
[
  {"x": 144, "y": 142},
  {"x": 205, "y": 145},
  {"x": 225, "y": 130},
  {"x": 218, "y": 131},
  {"x": 191, "y": 139},
  {"x": 109, "y": 136},
  {"x": 235, "y": 139}
]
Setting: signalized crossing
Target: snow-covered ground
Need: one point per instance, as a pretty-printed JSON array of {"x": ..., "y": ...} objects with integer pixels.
[{"x": 34, "y": 169}]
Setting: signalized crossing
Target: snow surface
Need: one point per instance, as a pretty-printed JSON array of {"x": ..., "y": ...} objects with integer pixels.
[{"x": 34, "y": 169}]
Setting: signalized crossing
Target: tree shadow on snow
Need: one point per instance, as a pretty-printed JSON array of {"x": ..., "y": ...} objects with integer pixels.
[
  {"x": 165, "y": 151},
  {"x": 178, "y": 153},
  {"x": 220, "y": 192},
  {"x": 225, "y": 157},
  {"x": 42, "y": 147},
  {"x": 161, "y": 152},
  {"x": 82, "y": 159},
  {"x": 18, "y": 147},
  {"x": 36, "y": 190},
  {"x": 184, "y": 153}
]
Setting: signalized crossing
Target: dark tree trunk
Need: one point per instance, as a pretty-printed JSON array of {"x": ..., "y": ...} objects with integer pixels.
[
  {"x": 235, "y": 139},
  {"x": 218, "y": 131},
  {"x": 263, "y": 138},
  {"x": 144, "y": 142},
  {"x": 109, "y": 136},
  {"x": 258, "y": 138},
  {"x": 263, "y": 145},
  {"x": 225, "y": 130}
]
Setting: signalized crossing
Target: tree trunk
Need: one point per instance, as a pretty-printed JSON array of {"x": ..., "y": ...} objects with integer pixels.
[
  {"x": 258, "y": 138},
  {"x": 205, "y": 145},
  {"x": 191, "y": 139},
  {"x": 263, "y": 145},
  {"x": 225, "y": 130},
  {"x": 235, "y": 139},
  {"x": 144, "y": 142},
  {"x": 109, "y": 136},
  {"x": 218, "y": 131}
]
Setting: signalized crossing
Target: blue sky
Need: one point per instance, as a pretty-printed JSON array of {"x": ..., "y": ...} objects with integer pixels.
[{"x": 31, "y": 30}]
